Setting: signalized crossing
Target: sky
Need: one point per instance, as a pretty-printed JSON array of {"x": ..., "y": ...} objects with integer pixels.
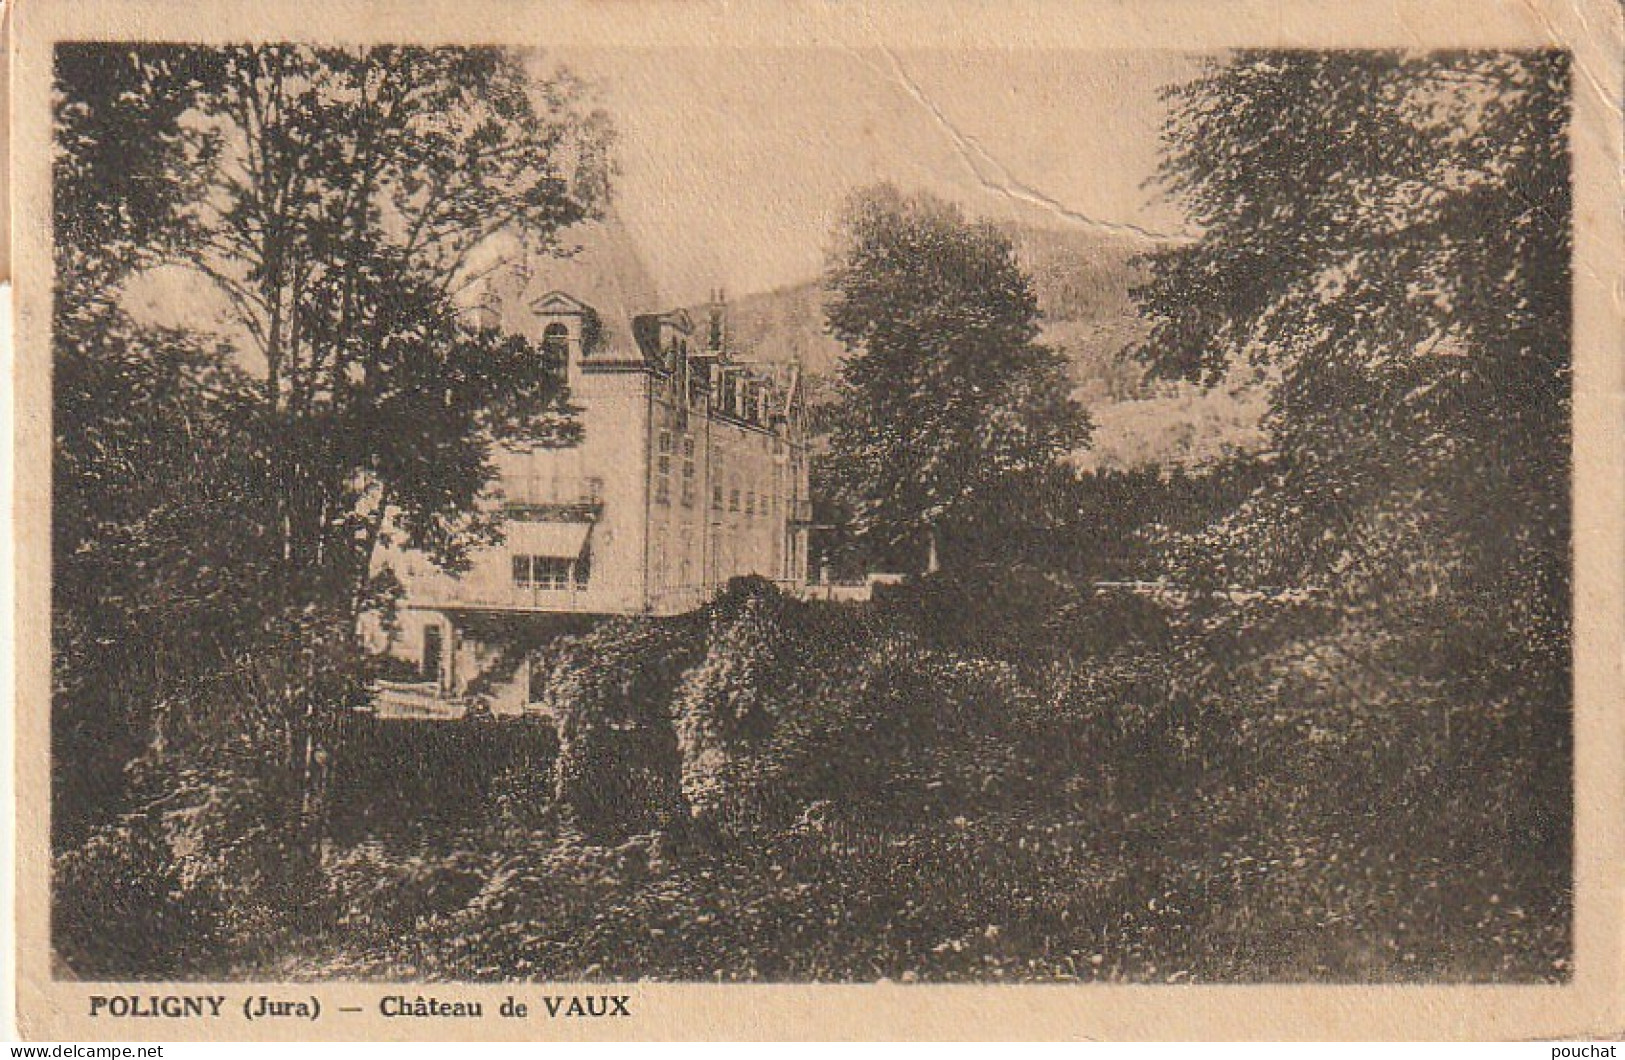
[{"x": 734, "y": 164}]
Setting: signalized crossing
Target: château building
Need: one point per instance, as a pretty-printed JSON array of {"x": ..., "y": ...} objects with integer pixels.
[{"x": 691, "y": 469}]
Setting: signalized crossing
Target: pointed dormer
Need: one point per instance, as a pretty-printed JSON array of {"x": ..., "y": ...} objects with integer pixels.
[
  {"x": 663, "y": 337},
  {"x": 676, "y": 330}
]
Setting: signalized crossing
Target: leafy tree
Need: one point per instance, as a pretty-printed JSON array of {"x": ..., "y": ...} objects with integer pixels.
[
  {"x": 118, "y": 186},
  {"x": 1385, "y": 238},
  {"x": 349, "y": 192},
  {"x": 950, "y": 409},
  {"x": 218, "y": 504},
  {"x": 143, "y": 452}
]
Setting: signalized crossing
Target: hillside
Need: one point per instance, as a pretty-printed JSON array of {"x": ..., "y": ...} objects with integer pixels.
[{"x": 1082, "y": 278}]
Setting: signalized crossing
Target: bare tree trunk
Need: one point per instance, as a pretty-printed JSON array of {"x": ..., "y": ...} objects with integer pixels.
[{"x": 313, "y": 777}]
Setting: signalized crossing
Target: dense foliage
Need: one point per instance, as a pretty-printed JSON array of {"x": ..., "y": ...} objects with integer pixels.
[
  {"x": 1386, "y": 237},
  {"x": 949, "y": 408},
  {"x": 1385, "y": 240},
  {"x": 921, "y": 807},
  {"x": 618, "y": 765},
  {"x": 219, "y": 491}
]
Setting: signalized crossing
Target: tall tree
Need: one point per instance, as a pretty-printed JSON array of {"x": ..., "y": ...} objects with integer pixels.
[
  {"x": 119, "y": 183},
  {"x": 349, "y": 192},
  {"x": 1385, "y": 237},
  {"x": 950, "y": 409},
  {"x": 218, "y": 504},
  {"x": 143, "y": 431}
]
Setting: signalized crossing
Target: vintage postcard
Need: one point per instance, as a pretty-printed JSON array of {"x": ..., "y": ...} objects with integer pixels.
[{"x": 910, "y": 520}]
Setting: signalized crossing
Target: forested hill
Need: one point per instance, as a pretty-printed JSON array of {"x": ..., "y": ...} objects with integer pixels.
[{"x": 1082, "y": 277}]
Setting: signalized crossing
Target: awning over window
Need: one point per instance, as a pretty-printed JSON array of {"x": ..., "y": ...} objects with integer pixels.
[{"x": 563, "y": 540}]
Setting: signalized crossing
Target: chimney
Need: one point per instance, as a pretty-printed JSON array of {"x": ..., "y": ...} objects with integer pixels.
[{"x": 719, "y": 321}]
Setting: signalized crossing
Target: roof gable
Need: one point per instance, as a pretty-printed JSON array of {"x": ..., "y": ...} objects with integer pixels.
[{"x": 557, "y": 303}]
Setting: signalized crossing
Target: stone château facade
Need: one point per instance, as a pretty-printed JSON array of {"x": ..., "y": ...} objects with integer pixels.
[{"x": 691, "y": 469}]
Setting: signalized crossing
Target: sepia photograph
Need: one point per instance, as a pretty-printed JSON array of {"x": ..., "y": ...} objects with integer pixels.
[{"x": 539, "y": 511}]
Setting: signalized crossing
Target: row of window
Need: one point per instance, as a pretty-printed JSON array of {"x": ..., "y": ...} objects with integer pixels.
[
  {"x": 733, "y": 392},
  {"x": 736, "y": 500},
  {"x": 663, "y": 470},
  {"x": 746, "y": 501},
  {"x": 551, "y": 572},
  {"x": 676, "y": 561}
]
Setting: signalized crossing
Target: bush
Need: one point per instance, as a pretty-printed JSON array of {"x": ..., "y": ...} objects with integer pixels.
[
  {"x": 1002, "y": 613},
  {"x": 211, "y": 876},
  {"x": 1262, "y": 789},
  {"x": 522, "y": 791},
  {"x": 123, "y": 909},
  {"x": 730, "y": 703},
  {"x": 558, "y": 907},
  {"x": 889, "y": 732},
  {"x": 618, "y": 768},
  {"x": 378, "y": 895},
  {"x": 1030, "y": 617}
]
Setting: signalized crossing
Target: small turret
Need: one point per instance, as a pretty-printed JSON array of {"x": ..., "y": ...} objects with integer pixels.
[{"x": 718, "y": 337}]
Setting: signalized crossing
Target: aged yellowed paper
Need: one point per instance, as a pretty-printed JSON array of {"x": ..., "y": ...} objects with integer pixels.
[{"x": 655, "y": 520}]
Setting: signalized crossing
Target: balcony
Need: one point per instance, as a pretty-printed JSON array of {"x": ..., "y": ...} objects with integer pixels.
[
  {"x": 554, "y": 512},
  {"x": 555, "y": 501}
]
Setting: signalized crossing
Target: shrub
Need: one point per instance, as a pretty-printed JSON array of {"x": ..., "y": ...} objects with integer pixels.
[
  {"x": 559, "y": 907},
  {"x": 379, "y": 894},
  {"x": 618, "y": 767},
  {"x": 213, "y": 873},
  {"x": 731, "y": 701},
  {"x": 866, "y": 737},
  {"x": 1030, "y": 617},
  {"x": 522, "y": 791},
  {"x": 122, "y": 908}
]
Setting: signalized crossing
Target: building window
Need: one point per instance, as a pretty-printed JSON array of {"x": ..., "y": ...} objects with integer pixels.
[
  {"x": 433, "y": 648},
  {"x": 556, "y": 347},
  {"x": 663, "y": 470},
  {"x": 716, "y": 496},
  {"x": 549, "y": 572},
  {"x": 750, "y": 502},
  {"x": 688, "y": 471},
  {"x": 733, "y": 499}
]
